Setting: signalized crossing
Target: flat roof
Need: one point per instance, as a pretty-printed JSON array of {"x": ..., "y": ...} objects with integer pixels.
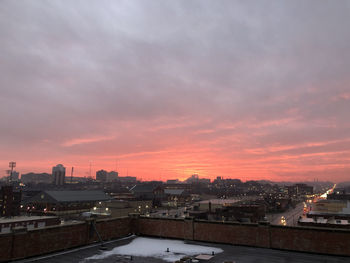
[
  {"x": 238, "y": 254},
  {"x": 23, "y": 218}
]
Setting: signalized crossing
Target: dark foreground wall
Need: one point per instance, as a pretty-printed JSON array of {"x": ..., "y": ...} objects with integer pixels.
[{"x": 22, "y": 244}]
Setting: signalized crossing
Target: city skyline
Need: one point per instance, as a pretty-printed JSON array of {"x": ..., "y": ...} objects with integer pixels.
[{"x": 166, "y": 90}]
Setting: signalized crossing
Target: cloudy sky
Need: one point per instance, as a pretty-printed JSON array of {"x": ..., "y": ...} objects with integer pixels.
[{"x": 165, "y": 89}]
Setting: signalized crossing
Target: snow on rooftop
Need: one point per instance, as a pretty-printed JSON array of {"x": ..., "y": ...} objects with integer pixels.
[{"x": 157, "y": 248}]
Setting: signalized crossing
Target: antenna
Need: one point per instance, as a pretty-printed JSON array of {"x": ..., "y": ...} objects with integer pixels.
[
  {"x": 11, "y": 165},
  {"x": 71, "y": 175}
]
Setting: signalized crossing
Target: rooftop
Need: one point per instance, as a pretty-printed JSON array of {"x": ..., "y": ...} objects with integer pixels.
[
  {"x": 70, "y": 196},
  {"x": 4, "y": 220},
  {"x": 238, "y": 254}
]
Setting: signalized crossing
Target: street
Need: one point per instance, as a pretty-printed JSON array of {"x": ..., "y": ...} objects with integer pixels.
[{"x": 291, "y": 216}]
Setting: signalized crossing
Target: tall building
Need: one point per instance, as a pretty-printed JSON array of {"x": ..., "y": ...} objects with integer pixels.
[
  {"x": 101, "y": 176},
  {"x": 10, "y": 201},
  {"x": 59, "y": 174}
]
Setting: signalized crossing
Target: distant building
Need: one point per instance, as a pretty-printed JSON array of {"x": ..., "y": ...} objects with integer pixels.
[
  {"x": 173, "y": 181},
  {"x": 10, "y": 202},
  {"x": 112, "y": 176},
  {"x": 339, "y": 194},
  {"x": 242, "y": 212},
  {"x": 15, "y": 176},
  {"x": 59, "y": 174},
  {"x": 101, "y": 176},
  {"x": 299, "y": 189},
  {"x": 36, "y": 178},
  {"x": 127, "y": 179},
  {"x": 304, "y": 189},
  {"x": 337, "y": 209},
  {"x": 193, "y": 179},
  {"x": 146, "y": 191},
  {"x": 56, "y": 201},
  {"x": 324, "y": 222},
  {"x": 177, "y": 197}
]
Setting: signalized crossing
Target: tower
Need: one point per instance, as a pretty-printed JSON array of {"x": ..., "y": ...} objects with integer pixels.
[{"x": 59, "y": 174}]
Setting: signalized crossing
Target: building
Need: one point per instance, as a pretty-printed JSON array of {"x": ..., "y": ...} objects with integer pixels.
[
  {"x": 10, "y": 201},
  {"x": 173, "y": 181},
  {"x": 36, "y": 178},
  {"x": 339, "y": 194},
  {"x": 28, "y": 222},
  {"x": 192, "y": 179},
  {"x": 240, "y": 211},
  {"x": 298, "y": 190},
  {"x": 147, "y": 191},
  {"x": 324, "y": 222},
  {"x": 112, "y": 176},
  {"x": 177, "y": 197},
  {"x": 54, "y": 202},
  {"x": 330, "y": 209},
  {"x": 59, "y": 174},
  {"x": 101, "y": 176},
  {"x": 127, "y": 179},
  {"x": 14, "y": 176}
]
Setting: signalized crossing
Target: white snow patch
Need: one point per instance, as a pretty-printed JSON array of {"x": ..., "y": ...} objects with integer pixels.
[{"x": 150, "y": 247}]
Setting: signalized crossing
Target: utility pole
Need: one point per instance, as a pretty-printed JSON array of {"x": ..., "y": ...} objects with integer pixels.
[
  {"x": 11, "y": 165},
  {"x": 71, "y": 175}
]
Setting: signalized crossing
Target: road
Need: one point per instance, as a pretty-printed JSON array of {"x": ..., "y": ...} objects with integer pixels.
[{"x": 290, "y": 215}]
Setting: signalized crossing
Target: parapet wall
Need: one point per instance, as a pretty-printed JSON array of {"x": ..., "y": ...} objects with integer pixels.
[
  {"x": 23, "y": 244},
  {"x": 27, "y": 243},
  {"x": 304, "y": 239}
]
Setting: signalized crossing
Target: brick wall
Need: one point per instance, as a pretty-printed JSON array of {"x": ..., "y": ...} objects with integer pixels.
[
  {"x": 232, "y": 233},
  {"x": 35, "y": 242},
  {"x": 315, "y": 240},
  {"x": 23, "y": 244}
]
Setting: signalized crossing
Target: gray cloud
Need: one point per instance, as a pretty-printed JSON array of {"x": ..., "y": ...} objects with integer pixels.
[{"x": 120, "y": 69}]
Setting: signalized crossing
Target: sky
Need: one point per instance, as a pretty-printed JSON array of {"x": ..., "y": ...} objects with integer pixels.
[{"x": 166, "y": 89}]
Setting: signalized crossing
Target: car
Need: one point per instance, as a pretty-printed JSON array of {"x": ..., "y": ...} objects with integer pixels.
[{"x": 283, "y": 221}]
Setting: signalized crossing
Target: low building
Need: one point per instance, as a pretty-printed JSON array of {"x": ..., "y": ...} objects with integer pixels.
[
  {"x": 298, "y": 190},
  {"x": 10, "y": 201},
  {"x": 147, "y": 191},
  {"x": 240, "y": 212},
  {"x": 127, "y": 179},
  {"x": 112, "y": 176},
  {"x": 324, "y": 222},
  {"x": 337, "y": 209},
  {"x": 339, "y": 194},
  {"x": 55, "y": 202},
  {"x": 29, "y": 222},
  {"x": 36, "y": 178},
  {"x": 177, "y": 197}
]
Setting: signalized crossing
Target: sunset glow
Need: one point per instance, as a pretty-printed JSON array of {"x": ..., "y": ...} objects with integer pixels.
[{"x": 215, "y": 89}]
